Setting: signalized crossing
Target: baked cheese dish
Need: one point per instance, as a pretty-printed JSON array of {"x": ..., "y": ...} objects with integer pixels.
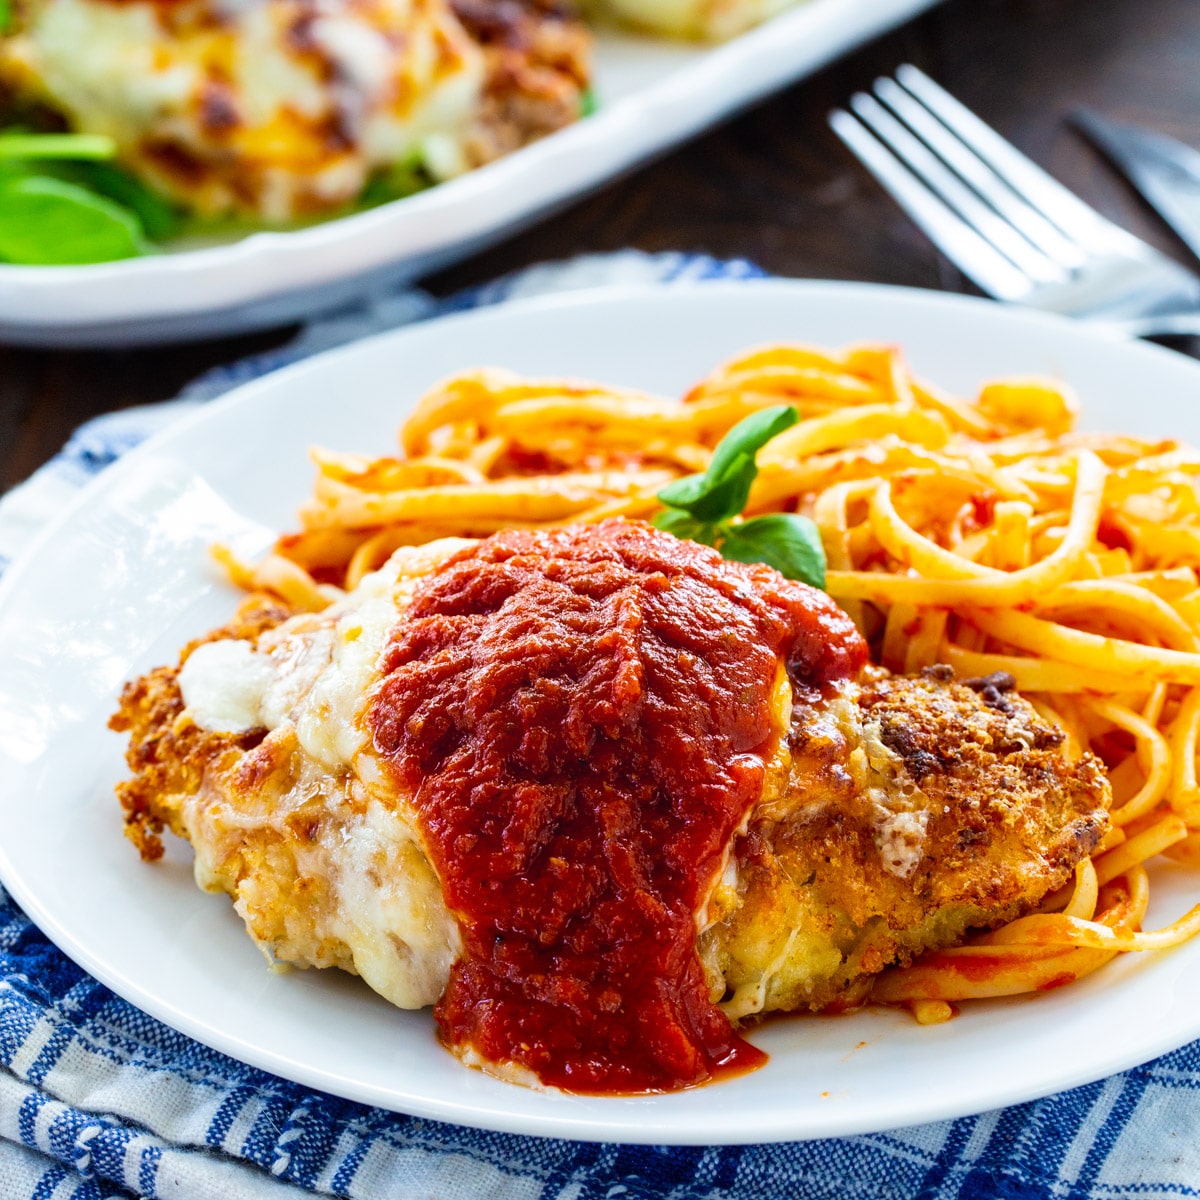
[{"x": 281, "y": 110}]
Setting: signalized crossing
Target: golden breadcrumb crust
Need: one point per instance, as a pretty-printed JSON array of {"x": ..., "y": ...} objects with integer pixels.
[
  {"x": 168, "y": 753},
  {"x": 961, "y": 787}
]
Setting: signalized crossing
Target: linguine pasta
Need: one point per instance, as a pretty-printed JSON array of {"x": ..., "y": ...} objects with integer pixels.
[{"x": 988, "y": 535}]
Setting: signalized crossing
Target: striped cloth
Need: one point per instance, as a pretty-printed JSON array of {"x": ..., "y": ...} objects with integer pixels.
[{"x": 98, "y": 1100}]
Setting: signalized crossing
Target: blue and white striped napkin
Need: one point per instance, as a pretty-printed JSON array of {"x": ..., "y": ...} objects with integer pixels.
[{"x": 98, "y": 1100}]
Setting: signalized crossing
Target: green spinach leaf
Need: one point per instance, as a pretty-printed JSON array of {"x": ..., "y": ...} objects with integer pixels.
[
  {"x": 20, "y": 145},
  {"x": 49, "y": 221},
  {"x": 160, "y": 218}
]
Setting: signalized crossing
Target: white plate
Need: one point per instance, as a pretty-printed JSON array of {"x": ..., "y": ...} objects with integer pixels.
[
  {"x": 123, "y": 581},
  {"x": 653, "y": 93}
]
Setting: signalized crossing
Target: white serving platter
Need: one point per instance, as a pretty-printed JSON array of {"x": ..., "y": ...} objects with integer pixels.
[
  {"x": 652, "y": 93},
  {"x": 124, "y": 580}
]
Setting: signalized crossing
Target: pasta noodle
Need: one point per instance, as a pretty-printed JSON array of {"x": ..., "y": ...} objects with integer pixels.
[{"x": 985, "y": 534}]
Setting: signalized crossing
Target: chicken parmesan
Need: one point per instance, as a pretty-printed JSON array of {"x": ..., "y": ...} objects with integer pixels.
[
  {"x": 600, "y": 795},
  {"x": 281, "y": 110}
]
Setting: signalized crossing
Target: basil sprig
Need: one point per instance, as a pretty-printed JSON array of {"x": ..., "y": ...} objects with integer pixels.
[{"x": 706, "y": 508}]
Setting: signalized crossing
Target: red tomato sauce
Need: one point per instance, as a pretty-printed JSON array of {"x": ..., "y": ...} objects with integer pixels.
[{"x": 583, "y": 716}]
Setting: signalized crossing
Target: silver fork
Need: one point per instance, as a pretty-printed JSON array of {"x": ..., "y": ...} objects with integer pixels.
[{"x": 1009, "y": 226}]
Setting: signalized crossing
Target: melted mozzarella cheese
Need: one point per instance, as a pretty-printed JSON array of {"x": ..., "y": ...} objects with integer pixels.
[
  {"x": 313, "y": 671},
  {"x": 354, "y": 888},
  {"x": 900, "y": 838},
  {"x": 390, "y": 911},
  {"x": 264, "y": 107},
  {"x": 122, "y": 81},
  {"x": 223, "y": 685},
  {"x": 900, "y": 810}
]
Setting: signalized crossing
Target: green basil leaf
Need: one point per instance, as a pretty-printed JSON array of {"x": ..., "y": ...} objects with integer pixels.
[
  {"x": 49, "y": 221},
  {"x": 713, "y": 499},
  {"x": 684, "y": 525},
  {"x": 722, "y": 491},
  {"x": 786, "y": 541},
  {"x": 6, "y": 16},
  {"x": 160, "y": 218},
  {"x": 587, "y": 103},
  {"x": 749, "y": 436},
  {"x": 57, "y": 145}
]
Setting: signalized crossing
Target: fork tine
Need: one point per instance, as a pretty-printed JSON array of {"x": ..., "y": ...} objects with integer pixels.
[
  {"x": 1041, "y": 232},
  {"x": 952, "y": 235},
  {"x": 934, "y": 174},
  {"x": 1043, "y": 191}
]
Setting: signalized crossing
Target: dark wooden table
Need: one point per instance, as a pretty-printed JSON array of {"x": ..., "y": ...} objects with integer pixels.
[{"x": 772, "y": 185}]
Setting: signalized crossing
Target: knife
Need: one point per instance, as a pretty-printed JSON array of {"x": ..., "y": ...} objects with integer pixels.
[{"x": 1165, "y": 171}]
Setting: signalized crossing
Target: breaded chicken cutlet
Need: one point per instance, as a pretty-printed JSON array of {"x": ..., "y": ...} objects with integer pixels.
[
  {"x": 917, "y": 809},
  {"x": 894, "y": 814}
]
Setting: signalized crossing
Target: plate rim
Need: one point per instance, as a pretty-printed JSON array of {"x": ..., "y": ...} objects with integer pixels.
[{"x": 651, "y": 1128}]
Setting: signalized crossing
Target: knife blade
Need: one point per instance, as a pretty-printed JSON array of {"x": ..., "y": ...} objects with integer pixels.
[{"x": 1164, "y": 170}]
